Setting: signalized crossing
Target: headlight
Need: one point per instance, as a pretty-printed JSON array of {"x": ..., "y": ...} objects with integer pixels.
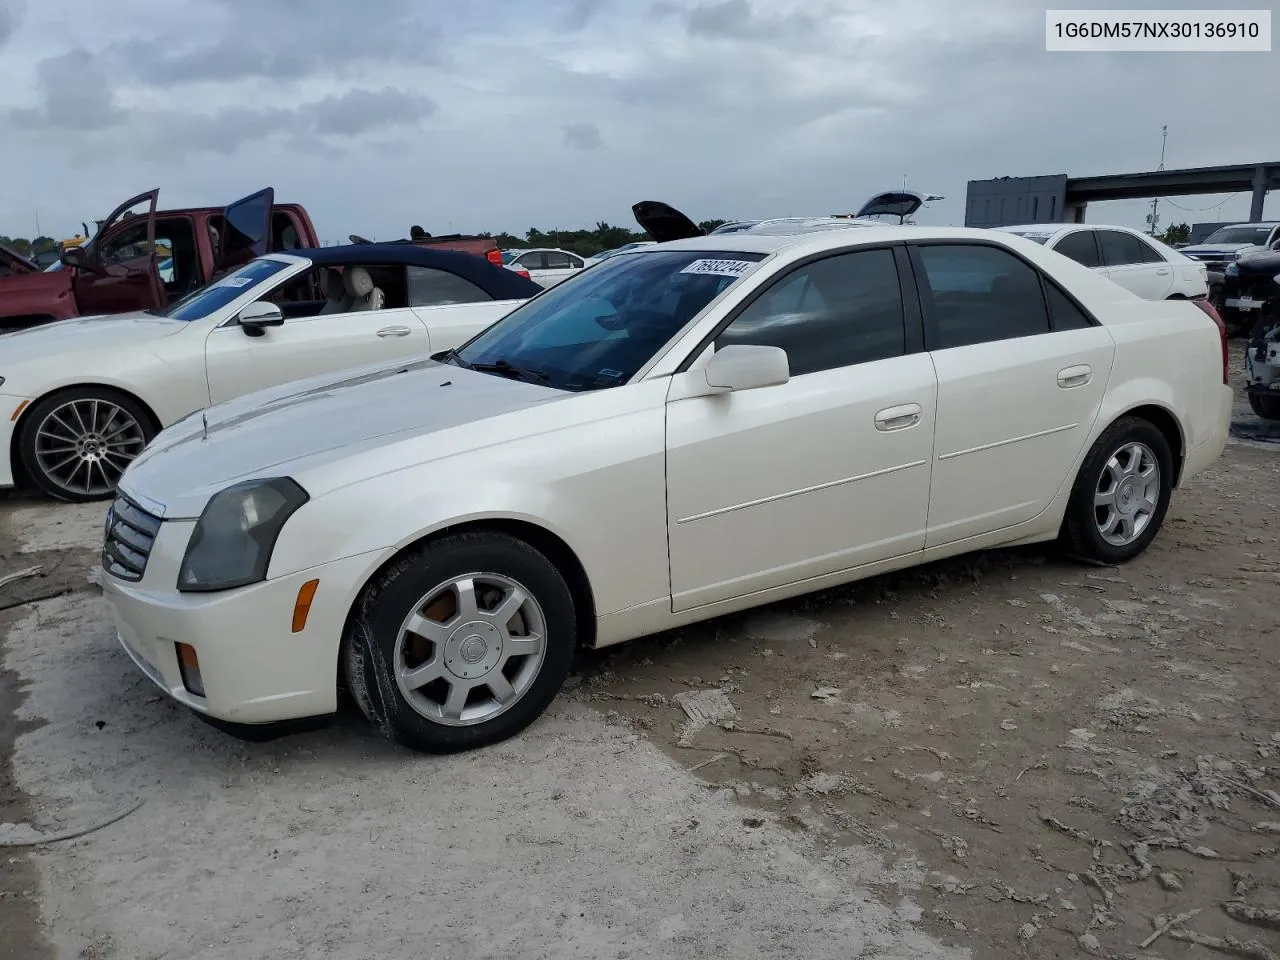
[
  {"x": 1233, "y": 269},
  {"x": 233, "y": 539}
]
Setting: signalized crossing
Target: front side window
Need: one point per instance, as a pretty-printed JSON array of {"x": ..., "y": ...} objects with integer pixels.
[
  {"x": 597, "y": 328},
  {"x": 216, "y": 295},
  {"x": 837, "y": 312},
  {"x": 1081, "y": 247},
  {"x": 977, "y": 294},
  {"x": 127, "y": 243},
  {"x": 435, "y": 288}
]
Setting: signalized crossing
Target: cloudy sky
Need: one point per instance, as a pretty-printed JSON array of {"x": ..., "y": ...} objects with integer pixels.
[{"x": 490, "y": 115}]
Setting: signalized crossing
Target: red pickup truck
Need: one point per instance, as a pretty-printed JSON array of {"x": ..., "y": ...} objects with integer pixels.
[{"x": 144, "y": 260}]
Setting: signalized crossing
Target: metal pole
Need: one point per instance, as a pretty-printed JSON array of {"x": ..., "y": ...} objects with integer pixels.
[
  {"x": 1154, "y": 219},
  {"x": 1259, "y": 194}
]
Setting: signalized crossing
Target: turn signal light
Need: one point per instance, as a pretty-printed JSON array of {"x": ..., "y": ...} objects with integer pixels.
[
  {"x": 189, "y": 668},
  {"x": 302, "y": 606}
]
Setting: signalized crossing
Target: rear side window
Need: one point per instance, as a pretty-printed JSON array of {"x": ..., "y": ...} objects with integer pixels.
[
  {"x": 1063, "y": 312},
  {"x": 1081, "y": 247},
  {"x": 836, "y": 312},
  {"x": 435, "y": 288},
  {"x": 977, "y": 294},
  {"x": 556, "y": 261},
  {"x": 1120, "y": 249},
  {"x": 1149, "y": 253}
]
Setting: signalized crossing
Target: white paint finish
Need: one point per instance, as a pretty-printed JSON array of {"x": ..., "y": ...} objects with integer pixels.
[
  {"x": 778, "y": 484},
  {"x": 173, "y": 366},
  {"x": 818, "y": 496},
  {"x": 330, "y": 844},
  {"x": 1008, "y": 432}
]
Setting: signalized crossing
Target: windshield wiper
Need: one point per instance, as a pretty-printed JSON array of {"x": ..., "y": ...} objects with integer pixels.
[
  {"x": 508, "y": 369},
  {"x": 450, "y": 356}
]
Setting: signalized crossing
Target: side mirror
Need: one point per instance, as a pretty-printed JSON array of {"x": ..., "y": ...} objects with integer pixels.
[
  {"x": 746, "y": 367},
  {"x": 256, "y": 317},
  {"x": 74, "y": 257}
]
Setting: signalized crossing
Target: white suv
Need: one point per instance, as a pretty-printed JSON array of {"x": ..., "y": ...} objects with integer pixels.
[{"x": 1139, "y": 263}]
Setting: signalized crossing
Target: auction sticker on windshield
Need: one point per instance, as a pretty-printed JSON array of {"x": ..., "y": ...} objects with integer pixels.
[
  {"x": 234, "y": 282},
  {"x": 720, "y": 268}
]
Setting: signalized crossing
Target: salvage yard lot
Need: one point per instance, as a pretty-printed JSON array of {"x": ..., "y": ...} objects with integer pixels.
[{"x": 1042, "y": 757}]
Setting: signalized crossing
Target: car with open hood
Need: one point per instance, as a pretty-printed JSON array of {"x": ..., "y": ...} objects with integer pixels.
[
  {"x": 80, "y": 398},
  {"x": 681, "y": 431}
]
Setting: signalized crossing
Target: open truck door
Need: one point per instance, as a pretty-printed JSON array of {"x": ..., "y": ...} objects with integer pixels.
[
  {"x": 245, "y": 232},
  {"x": 118, "y": 271}
]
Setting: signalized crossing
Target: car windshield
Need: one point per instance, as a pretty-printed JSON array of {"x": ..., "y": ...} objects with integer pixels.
[
  {"x": 1254, "y": 235},
  {"x": 214, "y": 296},
  {"x": 596, "y": 329}
]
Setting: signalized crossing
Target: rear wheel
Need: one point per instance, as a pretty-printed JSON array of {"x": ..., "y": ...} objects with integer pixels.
[
  {"x": 1121, "y": 495},
  {"x": 1268, "y": 408},
  {"x": 76, "y": 443},
  {"x": 462, "y": 643}
]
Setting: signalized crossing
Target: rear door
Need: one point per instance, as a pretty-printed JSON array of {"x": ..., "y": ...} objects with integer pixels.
[
  {"x": 307, "y": 345},
  {"x": 453, "y": 308},
  {"x": 1135, "y": 265},
  {"x": 246, "y": 230},
  {"x": 121, "y": 271},
  {"x": 1021, "y": 373}
]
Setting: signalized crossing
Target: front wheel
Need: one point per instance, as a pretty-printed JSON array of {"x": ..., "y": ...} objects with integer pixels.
[
  {"x": 76, "y": 443},
  {"x": 461, "y": 643},
  {"x": 1121, "y": 494},
  {"x": 1268, "y": 408}
]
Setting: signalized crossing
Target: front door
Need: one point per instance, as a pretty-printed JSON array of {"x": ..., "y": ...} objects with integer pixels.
[
  {"x": 308, "y": 345},
  {"x": 1020, "y": 381},
  {"x": 246, "y": 230},
  {"x": 824, "y": 473},
  {"x": 121, "y": 270}
]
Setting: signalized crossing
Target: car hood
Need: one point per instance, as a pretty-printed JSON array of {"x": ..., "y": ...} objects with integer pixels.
[
  {"x": 81, "y": 334},
  {"x": 1260, "y": 261},
  {"x": 1220, "y": 249},
  {"x": 311, "y": 423}
]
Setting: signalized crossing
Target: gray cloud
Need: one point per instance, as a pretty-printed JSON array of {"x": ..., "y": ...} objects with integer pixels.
[
  {"x": 284, "y": 45},
  {"x": 583, "y": 136},
  {"x": 580, "y": 13},
  {"x": 737, "y": 19},
  {"x": 75, "y": 94},
  {"x": 359, "y": 111},
  {"x": 11, "y": 13}
]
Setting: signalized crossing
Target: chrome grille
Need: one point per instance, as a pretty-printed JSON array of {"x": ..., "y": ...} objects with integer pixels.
[{"x": 130, "y": 535}]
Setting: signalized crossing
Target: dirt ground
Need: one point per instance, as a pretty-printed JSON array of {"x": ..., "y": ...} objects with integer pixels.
[{"x": 1008, "y": 753}]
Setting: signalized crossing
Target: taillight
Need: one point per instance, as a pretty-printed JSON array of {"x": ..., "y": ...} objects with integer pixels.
[
  {"x": 1209, "y": 308},
  {"x": 524, "y": 273},
  {"x": 494, "y": 256}
]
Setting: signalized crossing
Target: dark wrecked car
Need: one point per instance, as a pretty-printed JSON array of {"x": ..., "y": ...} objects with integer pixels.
[{"x": 1251, "y": 288}]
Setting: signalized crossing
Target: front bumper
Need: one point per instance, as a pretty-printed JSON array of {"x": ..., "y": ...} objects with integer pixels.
[
  {"x": 253, "y": 668},
  {"x": 10, "y": 408}
]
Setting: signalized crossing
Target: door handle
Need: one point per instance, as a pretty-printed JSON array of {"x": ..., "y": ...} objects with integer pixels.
[
  {"x": 1076, "y": 376},
  {"x": 899, "y": 417},
  {"x": 1163, "y": 271},
  {"x": 394, "y": 332}
]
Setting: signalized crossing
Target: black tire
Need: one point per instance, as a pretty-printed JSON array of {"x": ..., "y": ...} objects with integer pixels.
[
  {"x": 369, "y": 646},
  {"x": 31, "y": 442},
  {"x": 1080, "y": 527},
  {"x": 1268, "y": 408}
]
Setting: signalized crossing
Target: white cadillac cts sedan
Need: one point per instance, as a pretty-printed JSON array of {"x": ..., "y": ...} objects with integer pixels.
[{"x": 689, "y": 429}]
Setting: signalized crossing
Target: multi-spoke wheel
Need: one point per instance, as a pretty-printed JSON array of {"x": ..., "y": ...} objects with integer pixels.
[
  {"x": 461, "y": 643},
  {"x": 1121, "y": 494},
  {"x": 75, "y": 444}
]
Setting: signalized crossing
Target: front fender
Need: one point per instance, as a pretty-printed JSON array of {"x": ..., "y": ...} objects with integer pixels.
[{"x": 598, "y": 488}]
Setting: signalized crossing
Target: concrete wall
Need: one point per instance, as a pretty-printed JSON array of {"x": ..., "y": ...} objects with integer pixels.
[{"x": 1010, "y": 200}]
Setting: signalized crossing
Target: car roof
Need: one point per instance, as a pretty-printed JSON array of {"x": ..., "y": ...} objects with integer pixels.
[
  {"x": 817, "y": 240},
  {"x": 499, "y": 282}
]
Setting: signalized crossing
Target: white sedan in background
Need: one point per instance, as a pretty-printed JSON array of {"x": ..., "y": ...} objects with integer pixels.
[
  {"x": 1139, "y": 263},
  {"x": 683, "y": 431},
  {"x": 547, "y": 267},
  {"x": 79, "y": 399}
]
